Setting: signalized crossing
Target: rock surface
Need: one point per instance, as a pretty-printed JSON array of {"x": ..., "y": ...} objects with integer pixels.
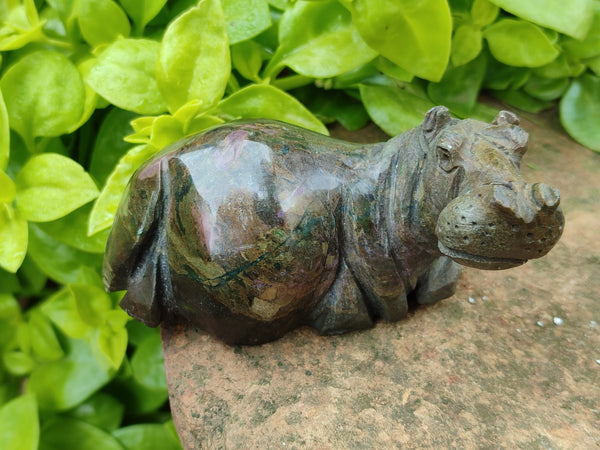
[{"x": 512, "y": 360}]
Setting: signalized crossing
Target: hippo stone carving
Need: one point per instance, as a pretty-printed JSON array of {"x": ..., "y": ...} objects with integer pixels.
[{"x": 251, "y": 229}]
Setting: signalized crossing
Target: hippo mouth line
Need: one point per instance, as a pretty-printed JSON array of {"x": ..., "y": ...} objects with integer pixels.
[{"x": 478, "y": 261}]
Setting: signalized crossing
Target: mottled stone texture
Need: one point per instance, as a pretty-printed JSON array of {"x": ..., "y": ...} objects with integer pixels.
[{"x": 487, "y": 368}]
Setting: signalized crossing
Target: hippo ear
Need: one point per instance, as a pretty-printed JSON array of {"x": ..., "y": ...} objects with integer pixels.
[
  {"x": 435, "y": 119},
  {"x": 505, "y": 118}
]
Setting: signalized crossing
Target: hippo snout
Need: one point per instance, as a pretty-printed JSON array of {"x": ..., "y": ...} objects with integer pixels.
[{"x": 498, "y": 226}]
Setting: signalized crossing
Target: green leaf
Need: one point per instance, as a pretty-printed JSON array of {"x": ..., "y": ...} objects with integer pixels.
[
  {"x": 580, "y": 111},
  {"x": 102, "y": 21},
  {"x": 247, "y": 59},
  {"x": 245, "y": 18},
  {"x": 62, "y": 384},
  {"x": 142, "y": 11},
  {"x": 10, "y": 311},
  {"x": 4, "y": 135},
  {"x": 8, "y": 191},
  {"x": 44, "y": 95},
  {"x": 562, "y": 67},
  {"x": 318, "y": 39},
  {"x": 43, "y": 195},
  {"x": 459, "y": 88},
  {"x": 546, "y": 89},
  {"x": 483, "y": 12},
  {"x": 13, "y": 238},
  {"x": 137, "y": 398},
  {"x": 466, "y": 44},
  {"x": 147, "y": 437},
  {"x": 594, "y": 65},
  {"x": 105, "y": 208},
  {"x": 67, "y": 433},
  {"x": 101, "y": 410},
  {"x": 72, "y": 230},
  {"x": 17, "y": 363},
  {"x": 44, "y": 341},
  {"x": 573, "y": 17},
  {"x": 519, "y": 99},
  {"x": 125, "y": 75},
  {"x": 61, "y": 309},
  {"x": 92, "y": 303},
  {"x": 110, "y": 146},
  {"x": 147, "y": 364},
  {"x": 392, "y": 70},
  {"x": 414, "y": 35},
  {"x": 268, "y": 102},
  {"x": 19, "y": 424},
  {"x": 519, "y": 43},
  {"x": 394, "y": 110},
  {"x": 590, "y": 46},
  {"x": 194, "y": 59},
  {"x": 60, "y": 262},
  {"x": 112, "y": 343}
]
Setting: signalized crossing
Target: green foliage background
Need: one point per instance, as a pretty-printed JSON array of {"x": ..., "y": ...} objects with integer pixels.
[{"x": 89, "y": 89}]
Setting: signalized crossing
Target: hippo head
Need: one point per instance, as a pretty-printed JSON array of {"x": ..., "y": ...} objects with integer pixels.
[{"x": 490, "y": 217}]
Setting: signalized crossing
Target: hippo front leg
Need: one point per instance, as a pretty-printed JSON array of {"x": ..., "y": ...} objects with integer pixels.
[
  {"x": 342, "y": 308},
  {"x": 439, "y": 281}
]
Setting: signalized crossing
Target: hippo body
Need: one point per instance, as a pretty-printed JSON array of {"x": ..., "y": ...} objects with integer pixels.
[{"x": 254, "y": 228}]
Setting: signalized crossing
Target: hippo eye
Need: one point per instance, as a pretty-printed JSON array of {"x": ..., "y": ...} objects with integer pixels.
[{"x": 445, "y": 152}]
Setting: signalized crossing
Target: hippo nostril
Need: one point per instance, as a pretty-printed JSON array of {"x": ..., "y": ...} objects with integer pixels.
[{"x": 545, "y": 196}]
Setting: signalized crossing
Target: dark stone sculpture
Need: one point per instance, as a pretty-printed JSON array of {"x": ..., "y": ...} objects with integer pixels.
[{"x": 254, "y": 228}]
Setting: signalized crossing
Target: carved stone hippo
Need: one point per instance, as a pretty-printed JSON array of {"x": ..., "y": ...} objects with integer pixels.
[{"x": 254, "y": 228}]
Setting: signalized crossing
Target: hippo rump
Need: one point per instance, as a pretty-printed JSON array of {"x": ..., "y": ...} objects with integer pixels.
[{"x": 251, "y": 229}]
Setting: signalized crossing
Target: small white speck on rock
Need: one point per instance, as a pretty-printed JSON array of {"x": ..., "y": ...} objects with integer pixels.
[
  {"x": 598, "y": 361},
  {"x": 485, "y": 297},
  {"x": 557, "y": 321},
  {"x": 539, "y": 323},
  {"x": 471, "y": 300},
  {"x": 593, "y": 323},
  {"x": 518, "y": 330}
]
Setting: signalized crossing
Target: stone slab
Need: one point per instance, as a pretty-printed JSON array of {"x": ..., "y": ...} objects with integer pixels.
[{"x": 512, "y": 360}]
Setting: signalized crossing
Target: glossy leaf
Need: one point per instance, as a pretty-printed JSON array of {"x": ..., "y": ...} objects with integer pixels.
[
  {"x": 105, "y": 208},
  {"x": 60, "y": 262},
  {"x": 520, "y": 99},
  {"x": 147, "y": 364},
  {"x": 112, "y": 343},
  {"x": 466, "y": 44},
  {"x": 100, "y": 410},
  {"x": 483, "y": 12},
  {"x": 17, "y": 363},
  {"x": 147, "y": 437},
  {"x": 4, "y": 135},
  {"x": 562, "y": 67},
  {"x": 459, "y": 88},
  {"x": 245, "y": 18},
  {"x": 72, "y": 231},
  {"x": 19, "y": 424},
  {"x": 44, "y": 95},
  {"x": 67, "y": 433},
  {"x": 246, "y": 59},
  {"x": 394, "y": 110},
  {"x": 43, "y": 196},
  {"x": 61, "y": 309},
  {"x": 580, "y": 110},
  {"x": 60, "y": 385},
  {"x": 268, "y": 102},
  {"x": 573, "y": 17},
  {"x": 44, "y": 341},
  {"x": 590, "y": 46},
  {"x": 194, "y": 59},
  {"x": 109, "y": 146},
  {"x": 92, "y": 302},
  {"x": 319, "y": 39},
  {"x": 137, "y": 398},
  {"x": 13, "y": 238},
  {"x": 414, "y": 35},
  {"x": 546, "y": 89},
  {"x": 519, "y": 43},
  {"x": 142, "y": 11},
  {"x": 102, "y": 21},
  {"x": 125, "y": 75}
]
